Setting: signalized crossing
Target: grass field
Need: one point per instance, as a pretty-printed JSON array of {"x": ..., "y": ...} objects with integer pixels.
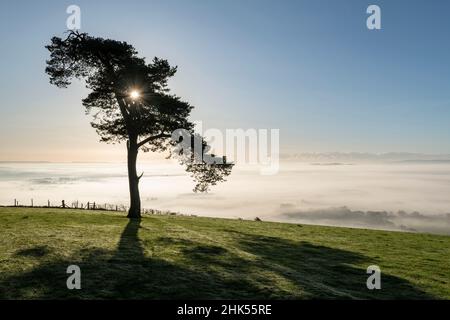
[{"x": 168, "y": 257}]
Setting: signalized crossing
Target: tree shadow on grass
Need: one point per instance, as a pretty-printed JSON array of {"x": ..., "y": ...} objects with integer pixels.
[
  {"x": 276, "y": 268},
  {"x": 323, "y": 272},
  {"x": 124, "y": 273},
  {"x": 38, "y": 251},
  {"x": 255, "y": 267}
]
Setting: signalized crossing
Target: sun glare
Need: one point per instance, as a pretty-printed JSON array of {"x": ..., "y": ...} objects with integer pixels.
[{"x": 134, "y": 94}]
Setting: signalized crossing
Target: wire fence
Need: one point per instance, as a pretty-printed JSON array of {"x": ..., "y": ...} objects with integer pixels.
[{"x": 78, "y": 205}]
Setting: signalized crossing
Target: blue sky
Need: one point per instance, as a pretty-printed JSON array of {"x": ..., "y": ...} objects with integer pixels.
[{"x": 310, "y": 68}]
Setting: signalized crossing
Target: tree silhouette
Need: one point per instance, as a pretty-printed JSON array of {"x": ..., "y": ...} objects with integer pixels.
[{"x": 130, "y": 101}]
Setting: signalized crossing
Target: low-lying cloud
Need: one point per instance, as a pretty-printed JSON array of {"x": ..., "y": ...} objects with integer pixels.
[
  {"x": 343, "y": 216},
  {"x": 394, "y": 196}
]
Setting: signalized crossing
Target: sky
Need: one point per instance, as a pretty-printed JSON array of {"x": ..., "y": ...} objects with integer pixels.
[{"x": 309, "y": 68}]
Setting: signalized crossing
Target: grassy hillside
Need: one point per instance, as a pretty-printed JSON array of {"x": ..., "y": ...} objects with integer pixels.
[{"x": 191, "y": 257}]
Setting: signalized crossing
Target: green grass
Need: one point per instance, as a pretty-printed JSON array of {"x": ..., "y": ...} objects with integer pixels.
[{"x": 167, "y": 257}]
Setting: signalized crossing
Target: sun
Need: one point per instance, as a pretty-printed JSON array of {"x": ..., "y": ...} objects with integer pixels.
[{"x": 134, "y": 94}]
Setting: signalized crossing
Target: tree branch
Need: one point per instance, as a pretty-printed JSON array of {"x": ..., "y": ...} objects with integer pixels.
[{"x": 161, "y": 135}]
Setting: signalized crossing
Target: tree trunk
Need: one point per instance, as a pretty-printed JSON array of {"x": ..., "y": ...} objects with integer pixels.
[{"x": 133, "y": 179}]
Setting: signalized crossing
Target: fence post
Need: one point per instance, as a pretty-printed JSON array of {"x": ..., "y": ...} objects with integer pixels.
[
  {"x": 32, "y": 204},
  {"x": 93, "y": 206},
  {"x": 63, "y": 204},
  {"x": 48, "y": 203},
  {"x": 15, "y": 203}
]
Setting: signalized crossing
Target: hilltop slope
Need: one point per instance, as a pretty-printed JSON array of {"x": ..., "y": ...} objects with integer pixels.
[{"x": 192, "y": 257}]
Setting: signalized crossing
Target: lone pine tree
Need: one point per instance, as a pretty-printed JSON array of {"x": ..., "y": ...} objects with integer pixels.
[{"x": 130, "y": 101}]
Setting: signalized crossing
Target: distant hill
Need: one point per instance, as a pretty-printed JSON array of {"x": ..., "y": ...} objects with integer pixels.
[
  {"x": 426, "y": 161},
  {"x": 339, "y": 157}
]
